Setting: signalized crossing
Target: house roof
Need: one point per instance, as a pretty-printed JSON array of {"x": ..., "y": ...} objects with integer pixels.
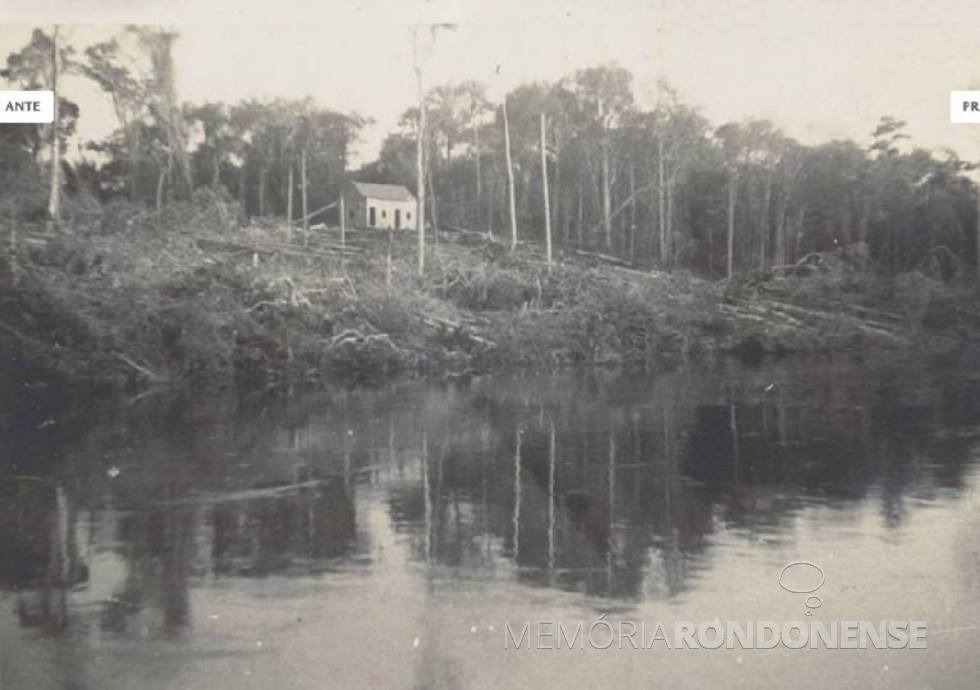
[{"x": 385, "y": 192}]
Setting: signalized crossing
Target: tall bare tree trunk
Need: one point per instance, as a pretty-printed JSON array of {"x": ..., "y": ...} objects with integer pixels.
[
  {"x": 606, "y": 191},
  {"x": 133, "y": 162},
  {"x": 798, "y": 242},
  {"x": 432, "y": 196},
  {"x": 54, "y": 198},
  {"x": 632, "y": 209},
  {"x": 479, "y": 171},
  {"x": 242, "y": 186},
  {"x": 419, "y": 57},
  {"x": 780, "y": 249},
  {"x": 764, "y": 225},
  {"x": 159, "y": 45},
  {"x": 525, "y": 200},
  {"x": 306, "y": 220},
  {"x": 161, "y": 178},
  {"x": 661, "y": 202},
  {"x": 731, "y": 224},
  {"x": 289, "y": 204},
  {"x": 557, "y": 222},
  {"x": 263, "y": 173},
  {"x": 510, "y": 180},
  {"x": 343, "y": 229},
  {"x": 420, "y": 171},
  {"x": 170, "y": 178},
  {"x": 547, "y": 201},
  {"x": 479, "y": 175}
]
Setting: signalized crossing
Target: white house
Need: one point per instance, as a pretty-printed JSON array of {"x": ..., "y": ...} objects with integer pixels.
[{"x": 379, "y": 206}]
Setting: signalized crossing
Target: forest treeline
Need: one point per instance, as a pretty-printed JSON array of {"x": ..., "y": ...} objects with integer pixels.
[{"x": 660, "y": 187}]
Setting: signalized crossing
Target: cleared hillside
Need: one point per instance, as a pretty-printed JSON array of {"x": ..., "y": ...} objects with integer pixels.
[{"x": 190, "y": 297}]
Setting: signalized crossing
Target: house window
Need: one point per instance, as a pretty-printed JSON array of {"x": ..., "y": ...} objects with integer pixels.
[
  {"x": 352, "y": 214},
  {"x": 408, "y": 215},
  {"x": 384, "y": 214}
]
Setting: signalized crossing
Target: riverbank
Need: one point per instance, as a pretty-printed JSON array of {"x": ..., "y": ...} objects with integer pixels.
[{"x": 132, "y": 301}]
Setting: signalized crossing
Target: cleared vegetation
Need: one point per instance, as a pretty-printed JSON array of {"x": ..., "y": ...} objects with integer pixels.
[{"x": 131, "y": 298}]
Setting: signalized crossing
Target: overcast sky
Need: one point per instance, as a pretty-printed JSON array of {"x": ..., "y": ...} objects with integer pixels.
[{"x": 817, "y": 68}]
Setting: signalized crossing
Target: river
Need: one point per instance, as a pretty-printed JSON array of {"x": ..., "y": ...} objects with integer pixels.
[{"x": 395, "y": 537}]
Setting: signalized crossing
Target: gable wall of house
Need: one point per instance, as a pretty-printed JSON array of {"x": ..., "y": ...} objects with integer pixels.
[
  {"x": 358, "y": 211},
  {"x": 355, "y": 208}
]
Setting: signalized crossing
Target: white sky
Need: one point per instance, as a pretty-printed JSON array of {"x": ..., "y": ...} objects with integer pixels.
[{"x": 818, "y": 68}]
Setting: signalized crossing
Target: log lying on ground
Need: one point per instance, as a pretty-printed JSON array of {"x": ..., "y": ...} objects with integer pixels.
[
  {"x": 352, "y": 336},
  {"x": 810, "y": 324},
  {"x": 868, "y": 313},
  {"x": 461, "y": 329},
  {"x": 604, "y": 258},
  {"x": 150, "y": 376}
]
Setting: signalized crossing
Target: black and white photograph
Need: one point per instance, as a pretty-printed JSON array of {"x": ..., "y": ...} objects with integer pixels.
[{"x": 462, "y": 345}]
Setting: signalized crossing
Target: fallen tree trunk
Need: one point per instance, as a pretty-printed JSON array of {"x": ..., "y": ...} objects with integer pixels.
[{"x": 606, "y": 258}]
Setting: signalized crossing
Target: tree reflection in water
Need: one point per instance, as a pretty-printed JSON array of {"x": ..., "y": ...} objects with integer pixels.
[{"x": 599, "y": 484}]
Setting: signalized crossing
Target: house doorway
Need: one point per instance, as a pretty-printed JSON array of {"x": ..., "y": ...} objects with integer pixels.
[
  {"x": 398, "y": 219},
  {"x": 371, "y": 217}
]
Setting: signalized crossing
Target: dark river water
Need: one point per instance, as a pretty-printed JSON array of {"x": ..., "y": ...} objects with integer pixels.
[{"x": 387, "y": 538}]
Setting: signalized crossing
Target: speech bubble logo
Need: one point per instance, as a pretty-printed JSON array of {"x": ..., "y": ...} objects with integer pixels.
[{"x": 813, "y": 601}]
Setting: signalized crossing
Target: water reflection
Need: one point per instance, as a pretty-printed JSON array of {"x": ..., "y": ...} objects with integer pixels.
[
  {"x": 600, "y": 485},
  {"x": 40, "y": 550}
]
